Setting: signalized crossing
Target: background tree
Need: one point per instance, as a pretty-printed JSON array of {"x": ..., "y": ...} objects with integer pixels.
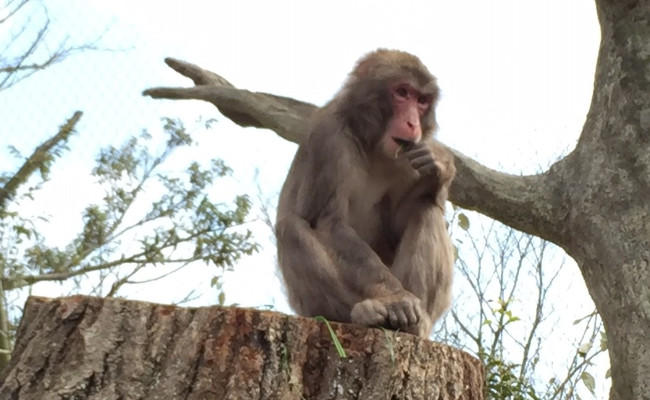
[
  {"x": 150, "y": 214},
  {"x": 504, "y": 311},
  {"x": 592, "y": 203},
  {"x": 146, "y": 218},
  {"x": 26, "y": 49}
]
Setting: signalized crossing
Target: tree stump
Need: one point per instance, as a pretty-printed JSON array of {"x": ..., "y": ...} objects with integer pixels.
[{"x": 95, "y": 348}]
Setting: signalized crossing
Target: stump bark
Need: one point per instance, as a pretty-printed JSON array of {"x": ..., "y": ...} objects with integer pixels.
[{"x": 95, "y": 348}]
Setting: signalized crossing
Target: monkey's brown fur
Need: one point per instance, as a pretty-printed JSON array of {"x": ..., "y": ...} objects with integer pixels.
[{"x": 360, "y": 225}]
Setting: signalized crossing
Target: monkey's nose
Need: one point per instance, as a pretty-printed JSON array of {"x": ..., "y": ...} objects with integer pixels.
[{"x": 413, "y": 123}]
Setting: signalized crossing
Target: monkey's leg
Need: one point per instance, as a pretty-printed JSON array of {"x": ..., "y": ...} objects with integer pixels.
[
  {"x": 309, "y": 273},
  {"x": 424, "y": 264},
  {"x": 332, "y": 272}
]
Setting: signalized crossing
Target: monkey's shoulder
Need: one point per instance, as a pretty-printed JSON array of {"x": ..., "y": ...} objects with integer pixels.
[{"x": 329, "y": 148}]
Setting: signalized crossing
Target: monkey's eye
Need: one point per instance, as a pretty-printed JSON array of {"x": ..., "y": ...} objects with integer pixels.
[
  {"x": 402, "y": 92},
  {"x": 424, "y": 100}
]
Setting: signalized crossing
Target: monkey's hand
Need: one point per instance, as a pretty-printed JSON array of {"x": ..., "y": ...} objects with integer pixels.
[
  {"x": 398, "y": 311},
  {"x": 422, "y": 160}
]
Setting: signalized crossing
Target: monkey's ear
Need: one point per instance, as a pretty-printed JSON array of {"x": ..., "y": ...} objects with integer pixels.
[
  {"x": 363, "y": 68},
  {"x": 369, "y": 62}
]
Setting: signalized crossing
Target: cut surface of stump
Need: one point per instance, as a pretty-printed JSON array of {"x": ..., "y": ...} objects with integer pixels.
[{"x": 96, "y": 348}]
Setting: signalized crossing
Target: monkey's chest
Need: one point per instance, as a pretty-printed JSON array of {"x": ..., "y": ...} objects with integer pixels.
[
  {"x": 370, "y": 217},
  {"x": 367, "y": 219}
]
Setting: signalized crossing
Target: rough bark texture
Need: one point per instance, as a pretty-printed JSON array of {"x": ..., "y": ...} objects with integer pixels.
[
  {"x": 94, "y": 348},
  {"x": 595, "y": 203}
]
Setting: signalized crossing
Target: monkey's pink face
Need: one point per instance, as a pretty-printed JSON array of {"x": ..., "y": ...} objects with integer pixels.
[{"x": 405, "y": 127}]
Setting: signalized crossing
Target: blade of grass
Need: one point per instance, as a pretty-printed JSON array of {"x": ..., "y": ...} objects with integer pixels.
[
  {"x": 335, "y": 339},
  {"x": 389, "y": 345}
]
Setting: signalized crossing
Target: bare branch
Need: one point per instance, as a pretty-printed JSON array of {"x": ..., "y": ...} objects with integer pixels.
[
  {"x": 13, "y": 11},
  {"x": 15, "y": 69}
]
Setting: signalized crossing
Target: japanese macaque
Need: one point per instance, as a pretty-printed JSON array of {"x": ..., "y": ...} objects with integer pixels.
[{"x": 360, "y": 227}]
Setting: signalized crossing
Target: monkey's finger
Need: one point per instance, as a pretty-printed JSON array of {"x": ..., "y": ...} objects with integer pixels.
[
  {"x": 422, "y": 161},
  {"x": 396, "y": 317},
  {"x": 380, "y": 309},
  {"x": 412, "y": 314},
  {"x": 418, "y": 152},
  {"x": 403, "y": 311},
  {"x": 392, "y": 318},
  {"x": 374, "y": 319},
  {"x": 428, "y": 170}
]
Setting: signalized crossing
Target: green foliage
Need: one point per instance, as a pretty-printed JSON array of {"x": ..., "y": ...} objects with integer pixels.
[
  {"x": 147, "y": 217},
  {"x": 589, "y": 381},
  {"x": 503, "y": 381},
  {"x": 463, "y": 221},
  {"x": 181, "y": 224}
]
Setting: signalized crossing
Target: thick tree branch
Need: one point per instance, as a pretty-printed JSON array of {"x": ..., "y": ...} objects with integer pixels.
[
  {"x": 519, "y": 201},
  {"x": 37, "y": 160},
  {"x": 286, "y": 116},
  {"x": 531, "y": 203}
]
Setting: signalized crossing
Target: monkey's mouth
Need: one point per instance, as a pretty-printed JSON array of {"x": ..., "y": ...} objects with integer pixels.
[{"x": 403, "y": 144}]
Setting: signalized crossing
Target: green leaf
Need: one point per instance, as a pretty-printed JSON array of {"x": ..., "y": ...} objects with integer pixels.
[
  {"x": 389, "y": 345},
  {"x": 463, "y": 221},
  {"x": 335, "y": 339},
  {"x": 21, "y": 230},
  {"x": 513, "y": 319},
  {"x": 589, "y": 381},
  {"x": 584, "y": 349},
  {"x": 603, "y": 340},
  {"x": 222, "y": 298}
]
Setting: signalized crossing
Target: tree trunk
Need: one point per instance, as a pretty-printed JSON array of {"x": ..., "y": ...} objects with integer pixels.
[
  {"x": 607, "y": 185},
  {"x": 93, "y": 348}
]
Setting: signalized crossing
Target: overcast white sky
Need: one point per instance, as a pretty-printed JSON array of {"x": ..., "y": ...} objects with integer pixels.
[
  {"x": 516, "y": 79},
  {"x": 516, "y": 76}
]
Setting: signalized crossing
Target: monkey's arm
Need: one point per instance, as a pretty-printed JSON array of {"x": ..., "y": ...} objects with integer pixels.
[
  {"x": 330, "y": 175},
  {"x": 424, "y": 258}
]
